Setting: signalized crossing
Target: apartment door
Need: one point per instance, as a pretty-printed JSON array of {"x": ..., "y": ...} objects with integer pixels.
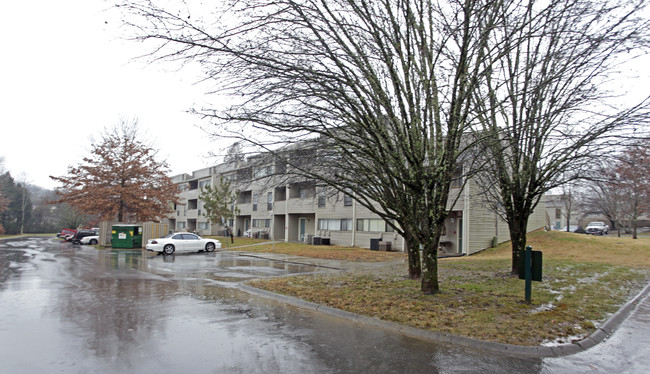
[
  {"x": 302, "y": 228},
  {"x": 460, "y": 235}
]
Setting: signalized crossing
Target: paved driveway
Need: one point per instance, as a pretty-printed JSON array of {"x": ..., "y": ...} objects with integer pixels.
[{"x": 75, "y": 309}]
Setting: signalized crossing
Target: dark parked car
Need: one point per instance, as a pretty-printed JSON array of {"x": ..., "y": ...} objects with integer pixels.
[{"x": 83, "y": 233}]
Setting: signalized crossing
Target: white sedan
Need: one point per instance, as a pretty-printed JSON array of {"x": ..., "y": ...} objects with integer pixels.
[
  {"x": 182, "y": 242},
  {"x": 92, "y": 240}
]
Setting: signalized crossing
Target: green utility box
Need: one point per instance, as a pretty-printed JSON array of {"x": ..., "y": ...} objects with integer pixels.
[
  {"x": 126, "y": 236},
  {"x": 535, "y": 266}
]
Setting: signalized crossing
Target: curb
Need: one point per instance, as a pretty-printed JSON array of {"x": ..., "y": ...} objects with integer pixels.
[{"x": 601, "y": 333}]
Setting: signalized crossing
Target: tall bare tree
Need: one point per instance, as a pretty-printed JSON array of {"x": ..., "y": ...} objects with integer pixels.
[
  {"x": 544, "y": 108},
  {"x": 121, "y": 179},
  {"x": 379, "y": 89},
  {"x": 633, "y": 182},
  {"x": 604, "y": 197}
]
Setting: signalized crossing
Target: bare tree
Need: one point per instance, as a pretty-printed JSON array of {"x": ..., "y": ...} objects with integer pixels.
[
  {"x": 378, "y": 91},
  {"x": 633, "y": 182},
  {"x": 604, "y": 197},
  {"x": 544, "y": 108},
  {"x": 569, "y": 201}
]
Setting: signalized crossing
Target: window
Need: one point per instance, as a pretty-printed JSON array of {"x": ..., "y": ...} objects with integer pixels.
[
  {"x": 261, "y": 223},
  {"x": 347, "y": 200},
  {"x": 457, "y": 178},
  {"x": 558, "y": 213},
  {"x": 321, "y": 197},
  {"x": 244, "y": 197},
  {"x": 254, "y": 202},
  {"x": 204, "y": 183},
  {"x": 204, "y": 225},
  {"x": 375, "y": 225},
  {"x": 303, "y": 192},
  {"x": 180, "y": 225},
  {"x": 269, "y": 201},
  {"x": 335, "y": 224},
  {"x": 263, "y": 171}
]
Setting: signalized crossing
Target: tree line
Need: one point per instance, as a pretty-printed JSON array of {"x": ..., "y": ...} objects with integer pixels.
[{"x": 24, "y": 208}]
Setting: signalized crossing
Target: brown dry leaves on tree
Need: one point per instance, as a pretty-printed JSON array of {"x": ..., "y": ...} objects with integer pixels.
[{"x": 120, "y": 180}]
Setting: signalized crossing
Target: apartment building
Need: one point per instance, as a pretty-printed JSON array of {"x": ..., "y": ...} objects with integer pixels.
[{"x": 273, "y": 207}]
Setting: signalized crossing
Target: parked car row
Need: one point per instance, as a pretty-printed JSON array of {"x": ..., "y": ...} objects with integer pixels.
[
  {"x": 176, "y": 242},
  {"x": 84, "y": 236}
]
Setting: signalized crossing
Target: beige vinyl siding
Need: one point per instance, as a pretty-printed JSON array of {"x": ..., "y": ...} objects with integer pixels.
[
  {"x": 482, "y": 228},
  {"x": 484, "y": 224}
]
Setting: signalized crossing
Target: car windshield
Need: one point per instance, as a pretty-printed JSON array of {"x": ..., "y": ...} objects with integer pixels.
[{"x": 167, "y": 236}]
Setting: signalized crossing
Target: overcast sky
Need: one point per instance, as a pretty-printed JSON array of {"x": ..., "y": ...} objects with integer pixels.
[{"x": 66, "y": 73}]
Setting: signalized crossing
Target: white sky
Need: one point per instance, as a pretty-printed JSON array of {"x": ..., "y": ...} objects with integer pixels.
[{"x": 66, "y": 73}]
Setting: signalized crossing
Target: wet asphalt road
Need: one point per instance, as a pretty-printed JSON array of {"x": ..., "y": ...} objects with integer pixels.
[{"x": 75, "y": 309}]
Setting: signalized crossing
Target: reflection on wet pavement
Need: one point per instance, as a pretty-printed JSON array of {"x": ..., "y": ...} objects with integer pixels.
[{"x": 76, "y": 309}]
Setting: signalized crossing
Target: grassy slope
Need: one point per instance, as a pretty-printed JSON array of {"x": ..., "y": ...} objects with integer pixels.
[{"x": 586, "y": 278}]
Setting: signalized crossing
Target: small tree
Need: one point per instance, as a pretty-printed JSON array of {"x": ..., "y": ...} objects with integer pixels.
[
  {"x": 633, "y": 182},
  {"x": 218, "y": 203},
  {"x": 120, "y": 180},
  {"x": 603, "y": 196},
  {"x": 569, "y": 202}
]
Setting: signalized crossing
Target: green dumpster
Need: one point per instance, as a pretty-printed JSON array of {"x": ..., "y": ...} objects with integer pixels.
[{"x": 126, "y": 236}]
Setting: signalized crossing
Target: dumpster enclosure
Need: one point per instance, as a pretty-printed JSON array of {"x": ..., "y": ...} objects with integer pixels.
[{"x": 126, "y": 236}]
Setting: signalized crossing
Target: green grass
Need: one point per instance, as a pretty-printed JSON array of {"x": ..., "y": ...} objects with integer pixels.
[
  {"x": 585, "y": 279},
  {"x": 328, "y": 252}
]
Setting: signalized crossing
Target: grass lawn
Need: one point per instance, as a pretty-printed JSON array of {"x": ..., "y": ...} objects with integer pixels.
[
  {"x": 585, "y": 279},
  {"x": 327, "y": 252}
]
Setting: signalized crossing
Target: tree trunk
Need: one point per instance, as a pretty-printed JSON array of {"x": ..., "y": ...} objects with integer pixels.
[
  {"x": 430, "y": 269},
  {"x": 414, "y": 263},
  {"x": 518, "y": 238}
]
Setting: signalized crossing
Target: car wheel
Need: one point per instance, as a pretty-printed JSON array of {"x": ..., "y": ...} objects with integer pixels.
[
  {"x": 93, "y": 241},
  {"x": 168, "y": 249},
  {"x": 209, "y": 247}
]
